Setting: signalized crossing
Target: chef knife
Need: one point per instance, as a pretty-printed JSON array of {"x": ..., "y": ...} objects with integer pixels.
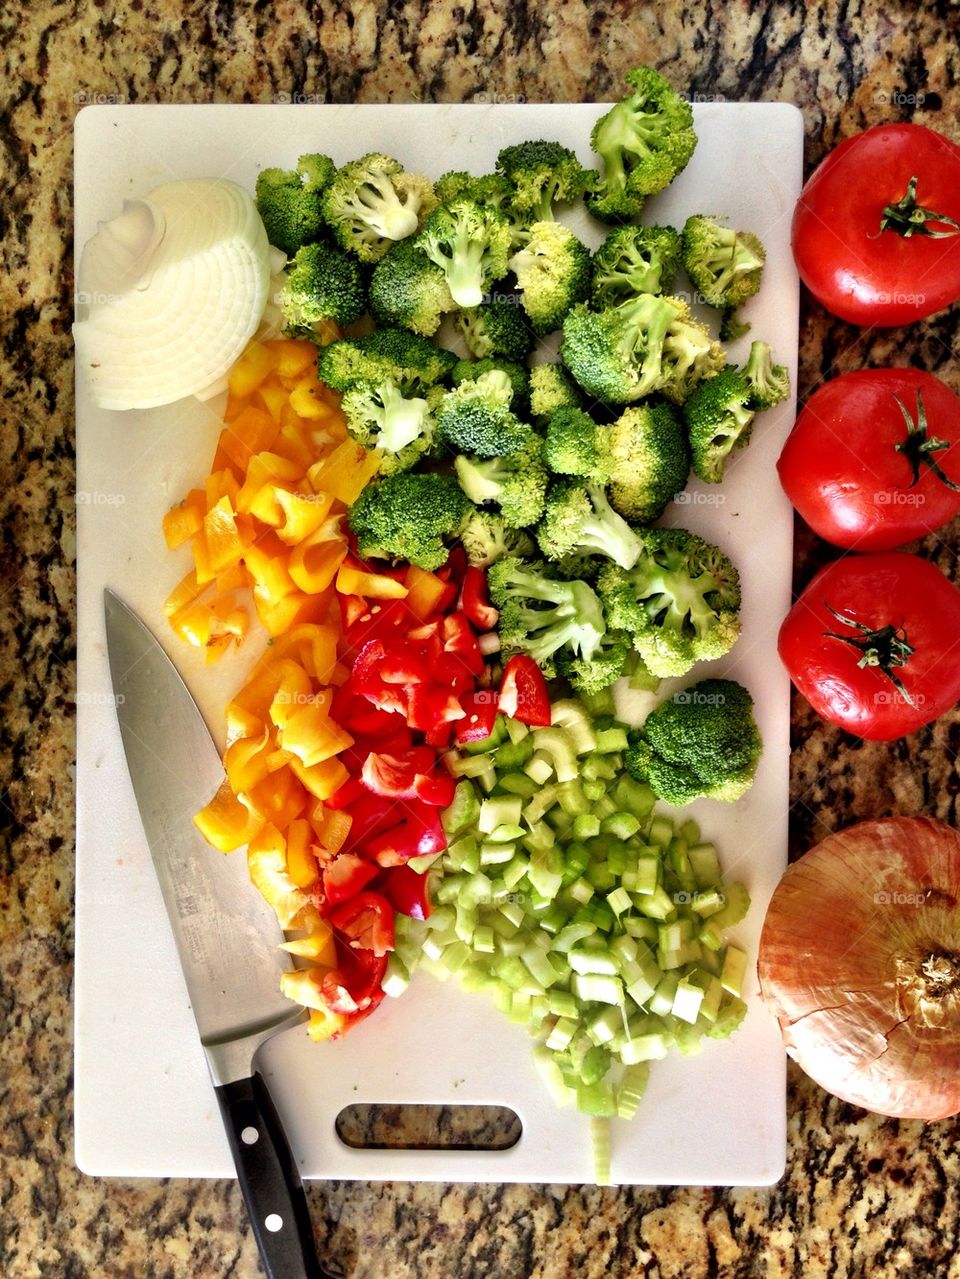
[{"x": 227, "y": 936}]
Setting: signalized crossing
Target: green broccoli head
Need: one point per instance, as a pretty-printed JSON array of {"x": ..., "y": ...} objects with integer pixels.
[
  {"x": 475, "y": 417},
  {"x": 517, "y": 483},
  {"x": 408, "y": 516},
  {"x": 518, "y": 375},
  {"x": 724, "y": 266},
  {"x": 409, "y": 291},
  {"x": 718, "y": 421},
  {"x": 552, "y": 388},
  {"x": 399, "y": 429},
  {"x": 491, "y": 188},
  {"x": 542, "y": 175},
  {"x": 608, "y": 663},
  {"x": 320, "y": 285},
  {"x": 409, "y": 359},
  {"x": 470, "y": 242},
  {"x": 496, "y": 327},
  {"x": 553, "y": 274},
  {"x": 769, "y": 383},
  {"x": 648, "y": 461},
  {"x": 540, "y": 615},
  {"x": 680, "y": 601},
  {"x": 632, "y": 350},
  {"x": 372, "y": 202},
  {"x": 703, "y": 741},
  {"x": 643, "y": 143},
  {"x": 578, "y": 519},
  {"x": 576, "y": 445},
  {"x": 290, "y": 202},
  {"x": 486, "y": 538},
  {"x": 632, "y": 260}
]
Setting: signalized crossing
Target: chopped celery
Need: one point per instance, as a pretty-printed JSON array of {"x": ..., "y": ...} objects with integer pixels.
[
  {"x": 518, "y": 784},
  {"x": 462, "y": 814},
  {"x": 643, "y": 1048},
  {"x": 571, "y": 716},
  {"x": 516, "y": 730},
  {"x": 622, "y": 825},
  {"x": 611, "y": 740},
  {"x": 660, "y": 832},
  {"x": 734, "y": 969},
  {"x": 600, "y": 1139},
  {"x": 593, "y": 961},
  {"x": 552, "y": 1076},
  {"x": 493, "y": 854},
  {"x": 605, "y": 1025},
  {"x": 596, "y": 1099},
  {"x": 594, "y": 790},
  {"x": 597, "y": 988},
  {"x": 561, "y": 1034},
  {"x": 487, "y": 743},
  {"x": 396, "y": 978},
  {"x": 736, "y": 905},
  {"x": 632, "y": 1087},
  {"x": 539, "y": 804},
  {"x": 586, "y": 825},
  {"x": 686, "y": 1001},
  {"x": 483, "y": 939},
  {"x": 539, "y": 768},
  {"x": 705, "y": 865},
  {"x": 560, "y": 748},
  {"x": 499, "y": 810},
  {"x": 619, "y": 901},
  {"x": 689, "y": 831},
  {"x": 707, "y": 902},
  {"x": 511, "y": 755}
]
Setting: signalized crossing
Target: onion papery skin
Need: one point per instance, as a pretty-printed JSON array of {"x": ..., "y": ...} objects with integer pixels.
[
  {"x": 170, "y": 292},
  {"x": 860, "y": 962}
]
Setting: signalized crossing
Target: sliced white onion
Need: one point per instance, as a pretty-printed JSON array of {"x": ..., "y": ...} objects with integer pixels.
[{"x": 170, "y": 292}]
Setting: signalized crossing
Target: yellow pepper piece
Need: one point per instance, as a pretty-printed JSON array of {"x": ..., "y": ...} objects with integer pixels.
[
  {"x": 302, "y": 985},
  {"x": 318, "y": 946},
  {"x": 302, "y": 514},
  {"x": 424, "y": 591},
  {"x": 267, "y": 863},
  {"x": 256, "y": 363},
  {"x": 223, "y": 545},
  {"x": 355, "y": 580},
  {"x": 225, "y": 822},
  {"x": 332, "y": 827},
  {"x": 183, "y": 521},
  {"x": 294, "y": 355},
  {"x": 279, "y": 798},
  {"x": 321, "y": 780},
  {"x": 301, "y": 860},
  {"x": 312, "y": 736},
  {"x": 345, "y": 472},
  {"x": 313, "y": 564}
]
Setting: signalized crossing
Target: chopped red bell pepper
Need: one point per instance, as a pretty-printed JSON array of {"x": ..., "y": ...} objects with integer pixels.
[
  {"x": 455, "y": 566},
  {"x": 417, "y": 836},
  {"x": 345, "y": 795},
  {"x": 459, "y": 639},
  {"x": 429, "y": 705},
  {"x": 406, "y": 890},
  {"x": 475, "y": 600},
  {"x": 366, "y": 921},
  {"x": 480, "y": 715},
  {"x": 344, "y": 876},
  {"x": 523, "y": 692}
]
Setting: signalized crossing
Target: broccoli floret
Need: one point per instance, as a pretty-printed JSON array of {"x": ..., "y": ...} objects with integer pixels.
[
  {"x": 321, "y": 285},
  {"x": 486, "y": 538},
  {"x": 470, "y": 370},
  {"x": 290, "y": 202},
  {"x": 372, "y": 202},
  {"x": 643, "y": 142},
  {"x": 408, "y": 290},
  {"x": 407, "y": 516},
  {"x": 475, "y": 418},
  {"x": 552, "y": 388},
  {"x": 576, "y": 445},
  {"x": 399, "y": 429},
  {"x": 517, "y": 483},
  {"x": 769, "y": 383},
  {"x": 553, "y": 274},
  {"x": 496, "y": 328},
  {"x": 632, "y": 260},
  {"x": 720, "y": 412},
  {"x": 577, "y": 518},
  {"x": 540, "y": 615},
  {"x": 680, "y": 601},
  {"x": 490, "y": 188},
  {"x": 470, "y": 242},
  {"x": 543, "y": 174},
  {"x": 724, "y": 266},
  {"x": 647, "y": 344},
  {"x": 608, "y": 663},
  {"x": 703, "y": 741},
  {"x": 648, "y": 461},
  {"x": 410, "y": 360}
]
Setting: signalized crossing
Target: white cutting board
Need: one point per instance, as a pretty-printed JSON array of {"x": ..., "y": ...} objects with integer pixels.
[{"x": 144, "y": 1104}]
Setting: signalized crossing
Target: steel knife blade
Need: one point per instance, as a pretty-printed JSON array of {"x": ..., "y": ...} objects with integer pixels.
[{"x": 227, "y": 936}]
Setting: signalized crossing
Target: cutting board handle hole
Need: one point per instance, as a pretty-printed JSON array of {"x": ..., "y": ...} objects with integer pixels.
[{"x": 369, "y": 1126}]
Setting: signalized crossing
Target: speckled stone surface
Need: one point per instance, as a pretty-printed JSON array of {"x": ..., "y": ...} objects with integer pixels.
[{"x": 861, "y": 1196}]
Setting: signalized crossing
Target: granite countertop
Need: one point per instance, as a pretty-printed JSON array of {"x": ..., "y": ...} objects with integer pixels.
[{"x": 861, "y": 1195}]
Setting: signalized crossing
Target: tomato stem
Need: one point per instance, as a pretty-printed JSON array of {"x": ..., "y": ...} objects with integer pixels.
[
  {"x": 886, "y": 648},
  {"x": 908, "y": 218},
  {"x": 919, "y": 447}
]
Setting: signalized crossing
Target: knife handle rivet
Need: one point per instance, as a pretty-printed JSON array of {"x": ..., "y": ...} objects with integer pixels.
[
  {"x": 250, "y": 1136},
  {"x": 273, "y": 1222}
]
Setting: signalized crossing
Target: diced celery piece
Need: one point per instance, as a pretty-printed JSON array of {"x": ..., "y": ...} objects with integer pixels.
[
  {"x": 561, "y": 1034},
  {"x": 622, "y": 825},
  {"x": 603, "y": 807},
  {"x": 539, "y": 804},
  {"x": 562, "y": 1004},
  {"x": 638, "y": 926},
  {"x": 596, "y": 1099},
  {"x": 436, "y": 967},
  {"x": 661, "y": 1002},
  {"x": 600, "y": 876},
  {"x": 601, "y": 914},
  {"x": 545, "y": 871},
  {"x": 597, "y": 988},
  {"x": 499, "y": 810},
  {"x": 577, "y": 861},
  {"x": 520, "y": 1008},
  {"x": 734, "y": 968},
  {"x": 502, "y": 998},
  {"x": 711, "y": 936},
  {"x": 559, "y": 747},
  {"x": 618, "y": 858},
  {"x": 610, "y": 740},
  {"x": 595, "y": 1064},
  {"x": 600, "y": 1141},
  {"x": 660, "y": 832},
  {"x": 656, "y": 905},
  {"x": 641, "y": 988},
  {"x": 731, "y": 1014},
  {"x": 690, "y": 832},
  {"x": 643, "y": 1048},
  {"x": 518, "y": 784},
  {"x": 396, "y": 979},
  {"x": 594, "y": 789},
  {"x": 460, "y": 849},
  {"x": 514, "y": 871},
  {"x": 572, "y": 717},
  {"x": 568, "y": 937},
  {"x": 736, "y": 905},
  {"x": 471, "y": 765},
  {"x": 712, "y": 996},
  {"x": 492, "y": 854},
  {"x": 708, "y": 902},
  {"x": 540, "y": 968},
  {"x": 538, "y": 1010},
  {"x": 473, "y": 977},
  {"x": 586, "y": 825},
  {"x": 600, "y": 767},
  {"x": 552, "y": 1076},
  {"x": 631, "y": 1089},
  {"x": 553, "y": 919},
  {"x": 478, "y": 888},
  {"x": 572, "y": 799},
  {"x": 705, "y": 865},
  {"x": 516, "y": 729},
  {"x": 646, "y": 877},
  {"x": 600, "y": 703},
  {"x": 679, "y": 863},
  {"x": 604, "y": 1026},
  {"x": 487, "y": 781},
  {"x": 462, "y": 813},
  {"x": 581, "y": 891},
  {"x": 485, "y": 744},
  {"x": 633, "y": 797},
  {"x": 593, "y": 961},
  {"x": 467, "y": 920},
  {"x": 512, "y": 970},
  {"x": 539, "y": 836},
  {"x": 454, "y": 957},
  {"x": 619, "y": 901},
  {"x": 483, "y": 939},
  {"x": 539, "y": 768},
  {"x": 512, "y": 755},
  {"x": 624, "y": 947},
  {"x": 686, "y": 1001}
]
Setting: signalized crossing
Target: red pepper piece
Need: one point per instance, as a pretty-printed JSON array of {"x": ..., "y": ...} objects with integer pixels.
[
  {"x": 418, "y": 835},
  {"x": 480, "y": 715},
  {"x": 405, "y": 890},
  {"x": 523, "y": 692},
  {"x": 346, "y": 876},
  {"x": 475, "y": 600},
  {"x": 429, "y": 705},
  {"x": 366, "y": 921}
]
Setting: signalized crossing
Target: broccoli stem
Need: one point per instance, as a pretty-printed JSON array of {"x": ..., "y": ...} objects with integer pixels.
[
  {"x": 729, "y": 259},
  {"x": 465, "y": 271},
  {"x": 382, "y": 210},
  {"x": 402, "y": 421}
]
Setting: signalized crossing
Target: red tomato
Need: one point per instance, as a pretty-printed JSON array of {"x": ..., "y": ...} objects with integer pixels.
[
  {"x": 872, "y": 644},
  {"x": 862, "y": 477},
  {"x": 864, "y": 259},
  {"x": 523, "y": 692}
]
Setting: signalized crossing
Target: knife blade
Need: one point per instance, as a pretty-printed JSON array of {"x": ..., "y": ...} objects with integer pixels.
[{"x": 227, "y": 936}]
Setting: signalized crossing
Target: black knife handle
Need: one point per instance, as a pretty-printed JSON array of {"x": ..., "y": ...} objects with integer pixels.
[{"x": 271, "y": 1185}]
